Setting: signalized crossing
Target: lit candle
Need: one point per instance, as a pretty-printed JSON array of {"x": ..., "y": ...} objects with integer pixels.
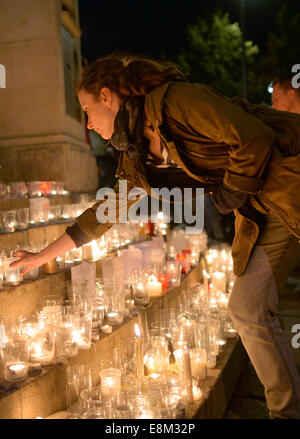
[
  {"x": 198, "y": 363},
  {"x": 197, "y": 393},
  {"x": 164, "y": 280},
  {"x": 223, "y": 300},
  {"x": 129, "y": 304},
  {"x": 219, "y": 281},
  {"x": 110, "y": 381},
  {"x": 183, "y": 360},
  {"x": 107, "y": 329},
  {"x": 16, "y": 372},
  {"x": 181, "y": 258},
  {"x": 139, "y": 354},
  {"x": 141, "y": 294},
  {"x": 12, "y": 279},
  {"x": 112, "y": 318},
  {"x": 149, "y": 362},
  {"x": 154, "y": 375},
  {"x": 145, "y": 414},
  {"x": 230, "y": 333},
  {"x": 154, "y": 287}
]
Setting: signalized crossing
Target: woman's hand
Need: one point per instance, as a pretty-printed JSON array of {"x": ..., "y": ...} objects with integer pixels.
[{"x": 27, "y": 260}]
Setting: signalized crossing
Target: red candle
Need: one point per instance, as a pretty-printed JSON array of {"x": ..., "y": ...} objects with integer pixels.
[
  {"x": 150, "y": 228},
  {"x": 180, "y": 257},
  {"x": 187, "y": 253},
  {"x": 164, "y": 280}
]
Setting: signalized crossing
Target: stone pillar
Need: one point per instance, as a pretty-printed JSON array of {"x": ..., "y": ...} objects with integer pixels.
[{"x": 42, "y": 134}]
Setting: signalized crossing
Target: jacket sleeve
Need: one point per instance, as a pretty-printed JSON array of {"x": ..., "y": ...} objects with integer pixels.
[
  {"x": 89, "y": 222},
  {"x": 250, "y": 142}
]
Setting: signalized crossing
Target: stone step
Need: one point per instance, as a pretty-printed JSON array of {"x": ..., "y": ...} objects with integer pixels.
[
  {"x": 44, "y": 395},
  {"x": 24, "y": 298}
]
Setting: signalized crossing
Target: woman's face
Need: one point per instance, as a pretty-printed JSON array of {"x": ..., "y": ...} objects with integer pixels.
[{"x": 101, "y": 111}]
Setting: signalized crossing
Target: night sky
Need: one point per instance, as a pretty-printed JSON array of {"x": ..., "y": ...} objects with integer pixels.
[{"x": 153, "y": 26}]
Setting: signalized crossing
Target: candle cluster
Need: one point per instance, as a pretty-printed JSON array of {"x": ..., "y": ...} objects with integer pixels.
[{"x": 32, "y": 189}]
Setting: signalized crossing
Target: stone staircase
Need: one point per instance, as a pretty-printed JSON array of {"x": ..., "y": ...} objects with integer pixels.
[{"x": 43, "y": 393}]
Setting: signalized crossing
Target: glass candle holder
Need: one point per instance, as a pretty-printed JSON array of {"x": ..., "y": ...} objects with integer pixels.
[
  {"x": 41, "y": 342},
  {"x": 115, "y": 307},
  {"x": 184, "y": 330},
  {"x": 156, "y": 361},
  {"x": 183, "y": 361},
  {"x": 78, "y": 379},
  {"x": 11, "y": 274},
  {"x": 1, "y": 273},
  {"x": 153, "y": 286},
  {"x": 76, "y": 255},
  {"x": 34, "y": 189},
  {"x": 110, "y": 382},
  {"x": 84, "y": 335},
  {"x": 16, "y": 358},
  {"x": 140, "y": 293},
  {"x": 165, "y": 407},
  {"x": 93, "y": 251},
  {"x": 38, "y": 215},
  {"x": 50, "y": 303},
  {"x": 218, "y": 281},
  {"x": 182, "y": 259},
  {"x": 54, "y": 213},
  {"x": 22, "y": 217},
  {"x": 31, "y": 274},
  {"x": 67, "y": 333},
  {"x": 198, "y": 363},
  {"x": 100, "y": 413},
  {"x": 125, "y": 407},
  {"x": 164, "y": 280},
  {"x": 68, "y": 259},
  {"x": 8, "y": 221},
  {"x": 174, "y": 272},
  {"x": 75, "y": 288},
  {"x": 98, "y": 314},
  {"x": 3, "y": 190},
  {"x": 92, "y": 398}
]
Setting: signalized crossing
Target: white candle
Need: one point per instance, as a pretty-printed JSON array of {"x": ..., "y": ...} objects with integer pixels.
[
  {"x": 219, "y": 281},
  {"x": 12, "y": 278},
  {"x": 197, "y": 393},
  {"x": 223, "y": 300},
  {"x": 110, "y": 381},
  {"x": 16, "y": 372},
  {"x": 230, "y": 333},
  {"x": 154, "y": 376},
  {"x": 154, "y": 287},
  {"x": 130, "y": 304},
  {"x": 112, "y": 318},
  {"x": 107, "y": 329}
]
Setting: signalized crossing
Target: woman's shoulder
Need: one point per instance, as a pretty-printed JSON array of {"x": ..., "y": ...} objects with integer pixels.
[{"x": 175, "y": 95}]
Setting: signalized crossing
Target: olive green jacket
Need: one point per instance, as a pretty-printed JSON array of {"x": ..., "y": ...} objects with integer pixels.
[{"x": 251, "y": 148}]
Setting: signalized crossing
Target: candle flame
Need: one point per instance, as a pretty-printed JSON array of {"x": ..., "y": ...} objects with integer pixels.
[
  {"x": 137, "y": 330},
  {"x": 152, "y": 278}
]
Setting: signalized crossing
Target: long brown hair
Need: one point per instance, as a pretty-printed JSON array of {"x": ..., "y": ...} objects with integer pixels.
[{"x": 127, "y": 74}]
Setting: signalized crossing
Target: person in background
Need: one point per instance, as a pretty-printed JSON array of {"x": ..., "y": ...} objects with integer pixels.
[{"x": 284, "y": 96}]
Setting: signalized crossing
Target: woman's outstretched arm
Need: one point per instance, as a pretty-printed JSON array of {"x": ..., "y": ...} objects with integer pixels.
[{"x": 33, "y": 260}]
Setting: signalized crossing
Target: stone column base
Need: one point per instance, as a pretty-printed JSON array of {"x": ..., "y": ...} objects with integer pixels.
[{"x": 51, "y": 158}]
